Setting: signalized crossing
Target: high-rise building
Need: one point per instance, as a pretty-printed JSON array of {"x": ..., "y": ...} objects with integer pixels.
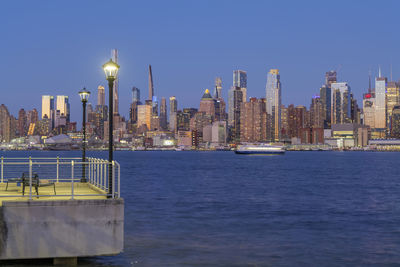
[
  {"x": 63, "y": 106},
  {"x": 240, "y": 80},
  {"x": 330, "y": 77},
  {"x": 173, "y": 108},
  {"x": 21, "y": 123},
  {"x": 32, "y": 116},
  {"x": 392, "y": 99},
  {"x": 114, "y": 56},
  {"x": 369, "y": 109},
  {"x": 151, "y": 86},
  {"x": 316, "y": 112},
  {"x": 274, "y": 102},
  {"x": 47, "y": 106},
  {"x": 237, "y": 101},
  {"x": 231, "y": 105},
  {"x": 325, "y": 98},
  {"x": 207, "y": 104},
  {"x": 144, "y": 116},
  {"x": 154, "y": 104},
  {"x": 218, "y": 88},
  {"x": 380, "y": 102},
  {"x": 253, "y": 118},
  {"x": 284, "y": 122},
  {"x": 5, "y": 124},
  {"x": 163, "y": 114},
  {"x": 182, "y": 121},
  {"x": 341, "y": 103},
  {"x": 101, "y": 96},
  {"x": 135, "y": 102},
  {"x": 395, "y": 122}
]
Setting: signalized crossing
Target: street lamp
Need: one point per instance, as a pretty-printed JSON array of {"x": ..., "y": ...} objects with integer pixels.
[
  {"x": 111, "y": 71},
  {"x": 84, "y": 95}
]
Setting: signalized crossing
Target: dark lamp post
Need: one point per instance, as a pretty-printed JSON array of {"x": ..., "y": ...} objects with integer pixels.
[
  {"x": 84, "y": 95},
  {"x": 111, "y": 71}
]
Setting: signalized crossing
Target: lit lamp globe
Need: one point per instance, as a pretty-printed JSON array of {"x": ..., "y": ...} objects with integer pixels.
[
  {"x": 84, "y": 95},
  {"x": 111, "y": 70}
]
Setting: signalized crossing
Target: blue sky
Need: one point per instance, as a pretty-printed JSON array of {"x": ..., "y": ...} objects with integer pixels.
[{"x": 54, "y": 47}]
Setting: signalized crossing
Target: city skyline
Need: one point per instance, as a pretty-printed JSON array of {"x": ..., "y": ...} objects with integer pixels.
[{"x": 188, "y": 61}]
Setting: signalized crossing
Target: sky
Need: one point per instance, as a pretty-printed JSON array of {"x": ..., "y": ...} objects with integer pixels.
[{"x": 58, "y": 47}]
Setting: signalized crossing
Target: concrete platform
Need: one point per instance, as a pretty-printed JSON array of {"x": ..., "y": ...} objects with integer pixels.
[
  {"x": 63, "y": 192},
  {"x": 61, "y": 228}
]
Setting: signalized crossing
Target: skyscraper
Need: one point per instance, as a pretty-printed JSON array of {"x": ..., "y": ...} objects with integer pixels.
[
  {"x": 47, "y": 106},
  {"x": 173, "y": 107},
  {"x": 392, "y": 99},
  {"x": 101, "y": 96},
  {"x": 218, "y": 88},
  {"x": 316, "y": 112},
  {"x": 151, "y": 86},
  {"x": 253, "y": 121},
  {"x": 22, "y": 123},
  {"x": 237, "y": 101},
  {"x": 395, "y": 123},
  {"x": 341, "y": 103},
  {"x": 369, "y": 109},
  {"x": 380, "y": 102},
  {"x": 207, "y": 104},
  {"x": 114, "y": 56},
  {"x": 63, "y": 106},
  {"x": 163, "y": 114},
  {"x": 231, "y": 106},
  {"x": 5, "y": 124},
  {"x": 240, "y": 80},
  {"x": 330, "y": 77},
  {"x": 274, "y": 102},
  {"x": 133, "y": 112}
]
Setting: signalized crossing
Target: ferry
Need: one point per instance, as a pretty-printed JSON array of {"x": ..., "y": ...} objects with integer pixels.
[{"x": 260, "y": 149}]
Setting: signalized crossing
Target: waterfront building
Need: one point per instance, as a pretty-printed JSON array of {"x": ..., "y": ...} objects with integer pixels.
[
  {"x": 317, "y": 117},
  {"x": 355, "y": 110},
  {"x": 253, "y": 118},
  {"x": 5, "y": 124},
  {"x": 284, "y": 123},
  {"x": 185, "y": 139},
  {"x": 198, "y": 122},
  {"x": 311, "y": 135},
  {"x": 219, "y": 133},
  {"x": 395, "y": 122},
  {"x": 237, "y": 95},
  {"x": 47, "y": 106},
  {"x": 144, "y": 116},
  {"x": 392, "y": 99},
  {"x": 101, "y": 96},
  {"x": 350, "y": 135},
  {"x": 63, "y": 106},
  {"x": 114, "y": 57},
  {"x": 163, "y": 114},
  {"x": 380, "y": 102},
  {"x": 274, "y": 102},
  {"x": 207, "y": 104},
  {"x": 207, "y": 133},
  {"x": 240, "y": 80},
  {"x": 341, "y": 103}
]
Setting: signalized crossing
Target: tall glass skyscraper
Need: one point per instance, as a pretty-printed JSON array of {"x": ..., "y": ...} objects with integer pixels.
[
  {"x": 274, "y": 102},
  {"x": 240, "y": 80},
  {"x": 47, "y": 106},
  {"x": 380, "y": 102},
  {"x": 63, "y": 106}
]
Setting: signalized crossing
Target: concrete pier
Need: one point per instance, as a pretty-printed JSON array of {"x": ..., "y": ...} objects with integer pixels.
[{"x": 61, "y": 229}]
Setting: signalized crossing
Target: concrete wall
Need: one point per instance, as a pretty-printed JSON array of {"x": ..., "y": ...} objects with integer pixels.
[{"x": 64, "y": 228}]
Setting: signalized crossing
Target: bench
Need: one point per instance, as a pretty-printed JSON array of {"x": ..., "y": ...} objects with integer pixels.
[{"x": 35, "y": 183}]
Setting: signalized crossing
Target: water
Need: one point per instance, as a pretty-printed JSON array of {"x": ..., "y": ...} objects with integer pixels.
[{"x": 222, "y": 209}]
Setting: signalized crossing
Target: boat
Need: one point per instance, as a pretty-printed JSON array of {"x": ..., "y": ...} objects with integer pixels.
[{"x": 260, "y": 149}]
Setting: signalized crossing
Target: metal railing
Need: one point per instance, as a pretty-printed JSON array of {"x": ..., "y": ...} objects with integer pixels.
[{"x": 61, "y": 171}]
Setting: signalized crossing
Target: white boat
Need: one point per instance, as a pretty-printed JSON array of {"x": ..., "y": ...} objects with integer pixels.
[{"x": 259, "y": 149}]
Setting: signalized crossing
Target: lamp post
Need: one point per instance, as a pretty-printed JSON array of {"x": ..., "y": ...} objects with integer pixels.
[
  {"x": 111, "y": 71},
  {"x": 84, "y": 95}
]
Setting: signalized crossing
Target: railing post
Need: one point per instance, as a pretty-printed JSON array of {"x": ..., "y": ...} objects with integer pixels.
[
  {"x": 58, "y": 166},
  {"x": 72, "y": 179},
  {"x": 119, "y": 180},
  {"x": 105, "y": 175},
  {"x": 30, "y": 178},
  {"x": 113, "y": 179},
  {"x": 2, "y": 169}
]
